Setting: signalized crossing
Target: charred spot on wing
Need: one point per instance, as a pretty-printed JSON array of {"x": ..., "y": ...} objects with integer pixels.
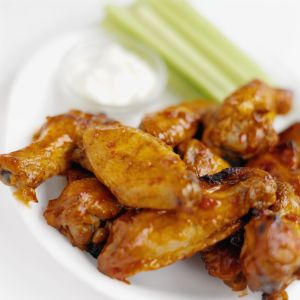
[
  {"x": 94, "y": 249},
  {"x": 234, "y": 160},
  {"x": 237, "y": 239},
  {"x": 5, "y": 176},
  {"x": 227, "y": 176}
]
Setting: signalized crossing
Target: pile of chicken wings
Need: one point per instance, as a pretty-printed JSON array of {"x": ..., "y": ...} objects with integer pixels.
[{"x": 194, "y": 177}]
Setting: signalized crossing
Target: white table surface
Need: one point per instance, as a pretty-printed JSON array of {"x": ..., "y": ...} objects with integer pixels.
[{"x": 26, "y": 269}]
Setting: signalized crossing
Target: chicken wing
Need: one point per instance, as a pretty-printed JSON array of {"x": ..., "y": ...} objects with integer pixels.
[
  {"x": 177, "y": 123},
  {"x": 47, "y": 156},
  {"x": 80, "y": 212},
  {"x": 223, "y": 261},
  {"x": 139, "y": 169},
  {"x": 242, "y": 125},
  {"x": 200, "y": 159},
  {"x": 149, "y": 240},
  {"x": 270, "y": 256}
]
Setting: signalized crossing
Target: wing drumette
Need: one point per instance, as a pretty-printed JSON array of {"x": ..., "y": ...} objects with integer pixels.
[
  {"x": 48, "y": 155},
  {"x": 270, "y": 256},
  {"x": 81, "y": 210},
  {"x": 242, "y": 125},
  {"x": 149, "y": 240},
  {"x": 177, "y": 123}
]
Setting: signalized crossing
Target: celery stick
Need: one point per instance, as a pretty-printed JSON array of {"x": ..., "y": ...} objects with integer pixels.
[
  {"x": 188, "y": 13},
  {"x": 194, "y": 58},
  {"x": 127, "y": 20},
  {"x": 175, "y": 82},
  {"x": 201, "y": 42},
  {"x": 181, "y": 87}
]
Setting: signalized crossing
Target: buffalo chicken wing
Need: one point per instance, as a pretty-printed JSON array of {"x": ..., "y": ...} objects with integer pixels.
[
  {"x": 242, "y": 125},
  {"x": 48, "y": 155},
  {"x": 139, "y": 169},
  {"x": 149, "y": 240},
  {"x": 270, "y": 256},
  {"x": 178, "y": 123},
  {"x": 81, "y": 210}
]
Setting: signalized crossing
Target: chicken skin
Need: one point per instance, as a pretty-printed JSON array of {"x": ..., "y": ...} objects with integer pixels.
[
  {"x": 283, "y": 161},
  {"x": 76, "y": 173},
  {"x": 292, "y": 135},
  {"x": 200, "y": 159},
  {"x": 48, "y": 155},
  {"x": 139, "y": 169},
  {"x": 223, "y": 261},
  {"x": 81, "y": 210},
  {"x": 281, "y": 295},
  {"x": 242, "y": 125},
  {"x": 177, "y": 123},
  {"x": 149, "y": 240},
  {"x": 270, "y": 256}
]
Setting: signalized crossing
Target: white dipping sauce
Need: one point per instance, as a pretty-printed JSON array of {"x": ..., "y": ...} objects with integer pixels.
[{"x": 116, "y": 77}]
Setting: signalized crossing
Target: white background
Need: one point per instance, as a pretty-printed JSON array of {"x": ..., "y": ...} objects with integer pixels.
[{"x": 263, "y": 27}]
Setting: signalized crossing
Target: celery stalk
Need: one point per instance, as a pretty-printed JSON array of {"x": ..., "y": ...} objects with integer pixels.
[
  {"x": 200, "y": 59},
  {"x": 194, "y": 58},
  {"x": 129, "y": 22},
  {"x": 181, "y": 87},
  {"x": 198, "y": 40},
  {"x": 186, "y": 12}
]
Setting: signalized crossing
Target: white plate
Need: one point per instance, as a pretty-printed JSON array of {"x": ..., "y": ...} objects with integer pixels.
[{"x": 34, "y": 95}]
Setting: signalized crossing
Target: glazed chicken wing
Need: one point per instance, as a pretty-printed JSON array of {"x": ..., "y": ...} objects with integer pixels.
[
  {"x": 270, "y": 256},
  {"x": 200, "y": 159},
  {"x": 177, "y": 123},
  {"x": 47, "y": 156},
  {"x": 81, "y": 210},
  {"x": 242, "y": 125},
  {"x": 149, "y": 240},
  {"x": 139, "y": 169}
]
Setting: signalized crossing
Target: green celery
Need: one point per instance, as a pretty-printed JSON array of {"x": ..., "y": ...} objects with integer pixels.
[
  {"x": 129, "y": 22},
  {"x": 201, "y": 42},
  {"x": 193, "y": 58},
  {"x": 186, "y": 12}
]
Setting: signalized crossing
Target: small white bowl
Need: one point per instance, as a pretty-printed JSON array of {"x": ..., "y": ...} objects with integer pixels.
[{"x": 89, "y": 53}]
